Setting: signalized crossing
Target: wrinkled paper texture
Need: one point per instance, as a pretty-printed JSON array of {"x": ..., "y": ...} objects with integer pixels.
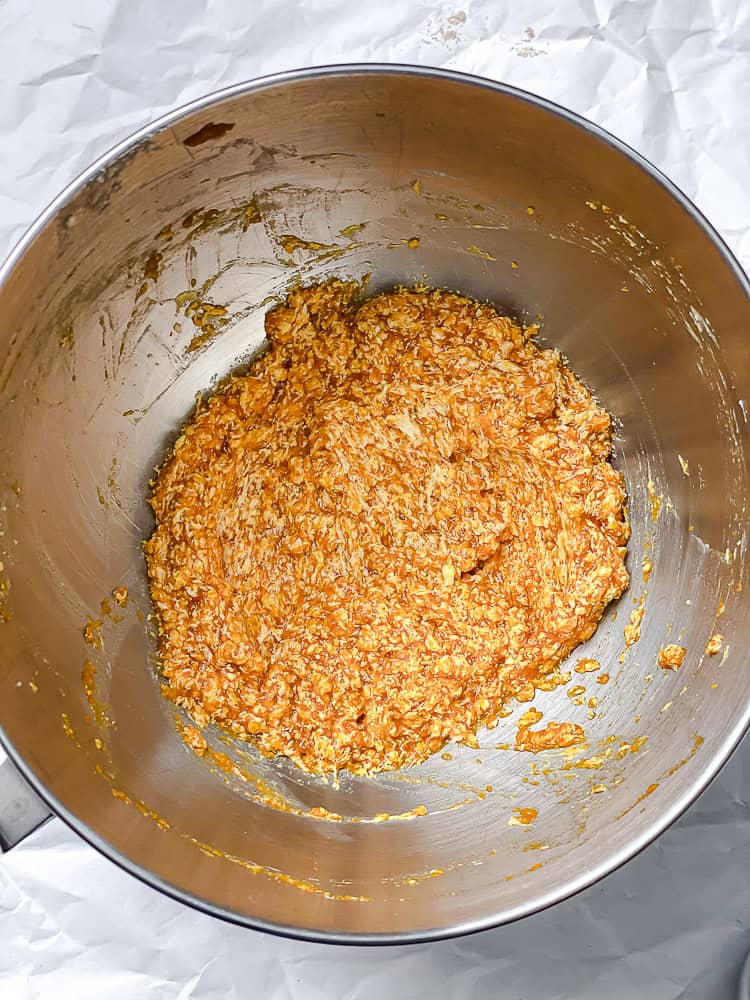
[{"x": 670, "y": 77}]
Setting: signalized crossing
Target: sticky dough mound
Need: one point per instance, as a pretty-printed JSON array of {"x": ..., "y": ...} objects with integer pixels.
[{"x": 402, "y": 517}]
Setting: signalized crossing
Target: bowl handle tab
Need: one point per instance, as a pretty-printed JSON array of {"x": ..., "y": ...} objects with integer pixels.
[{"x": 21, "y": 809}]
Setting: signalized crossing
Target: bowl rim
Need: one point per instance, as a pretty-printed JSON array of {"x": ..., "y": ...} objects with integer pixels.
[{"x": 615, "y": 859}]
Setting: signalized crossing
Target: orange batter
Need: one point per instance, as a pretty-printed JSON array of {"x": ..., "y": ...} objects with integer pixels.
[{"x": 402, "y": 517}]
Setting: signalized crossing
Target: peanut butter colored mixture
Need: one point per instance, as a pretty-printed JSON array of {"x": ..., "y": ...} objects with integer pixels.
[
  {"x": 404, "y": 516},
  {"x": 671, "y": 656}
]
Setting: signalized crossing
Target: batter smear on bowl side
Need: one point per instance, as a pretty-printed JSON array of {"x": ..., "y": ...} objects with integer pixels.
[{"x": 402, "y": 517}]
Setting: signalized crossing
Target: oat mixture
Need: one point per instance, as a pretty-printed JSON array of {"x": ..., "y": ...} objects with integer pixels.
[
  {"x": 404, "y": 516},
  {"x": 671, "y": 656}
]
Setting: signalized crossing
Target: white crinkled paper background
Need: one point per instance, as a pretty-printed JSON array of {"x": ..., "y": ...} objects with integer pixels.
[{"x": 670, "y": 77}]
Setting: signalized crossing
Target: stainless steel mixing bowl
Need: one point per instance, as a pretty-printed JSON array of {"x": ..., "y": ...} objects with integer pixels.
[{"x": 148, "y": 280}]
